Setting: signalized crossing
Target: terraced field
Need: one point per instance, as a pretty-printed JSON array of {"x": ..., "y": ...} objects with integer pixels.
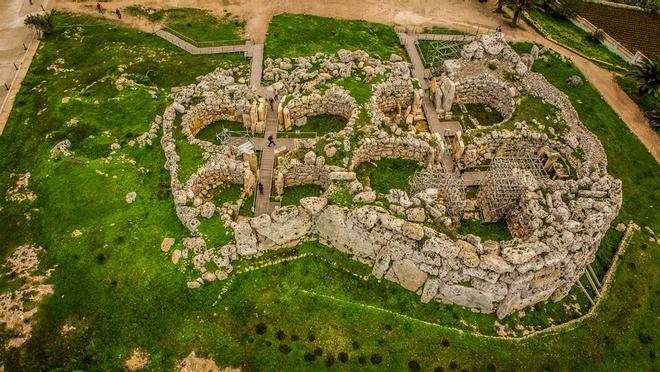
[{"x": 634, "y": 29}]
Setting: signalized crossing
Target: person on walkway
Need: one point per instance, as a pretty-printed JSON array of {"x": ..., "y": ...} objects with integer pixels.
[
  {"x": 498, "y": 29},
  {"x": 271, "y": 101},
  {"x": 118, "y": 13},
  {"x": 271, "y": 140},
  {"x": 261, "y": 187},
  {"x": 98, "y": 7}
]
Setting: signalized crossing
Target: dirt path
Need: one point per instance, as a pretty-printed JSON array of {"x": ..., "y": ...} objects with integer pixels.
[
  {"x": 464, "y": 15},
  {"x": 603, "y": 80}
]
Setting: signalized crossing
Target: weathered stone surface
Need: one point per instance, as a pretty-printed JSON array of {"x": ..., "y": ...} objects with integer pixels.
[
  {"x": 166, "y": 244},
  {"x": 430, "y": 290},
  {"x": 412, "y": 230},
  {"x": 130, "y": 197},
  {"x": 176, "y": 256},
  {"x": 495, "y": 263},
  {"x": 313, "y": 204},
  {"x": 409, "y": 275},
  {"x": 365, "y": 197},
  {"x": 246, "y": 240},
  {"x": 467, "y": 253},
  {"x": 416, "y": 214},
  {"x": 466, "y": 296}
]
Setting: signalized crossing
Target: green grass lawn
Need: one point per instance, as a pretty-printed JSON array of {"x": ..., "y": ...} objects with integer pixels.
[
  {"x": 135, "y": 297},
  {"x": 296, "y": 35},
  {"x": 199, "y": 26},
  {"x": 565, "y": 32},
  {"x": 293, "y": 194},
  {"x": 487, "y": 231},
  {"x": 385, "y": 174},
  {"x": 321, "y": 124},
  {"x": 211, "y": 131}
]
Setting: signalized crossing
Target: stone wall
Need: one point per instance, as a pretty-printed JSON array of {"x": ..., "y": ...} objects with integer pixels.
[
  {"x": 335, "y": 101},
  {"x": 221, "y": 99},
  {"x": 487, "y": 90},
  {"x": 390, "y": 147},
  {"x": 395, "y": 98},
  {"x": 488, "y": 276}
]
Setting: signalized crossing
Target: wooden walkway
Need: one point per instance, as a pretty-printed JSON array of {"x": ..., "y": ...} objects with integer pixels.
[
  {"x": 192, "y": 49},
  {"x": 263, "y": 204}
]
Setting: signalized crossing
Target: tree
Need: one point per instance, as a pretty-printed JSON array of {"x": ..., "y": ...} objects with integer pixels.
[
  {"x": 500, "y": 4},
  {"x": 647, "y": 74},
  {"x": 519, "y": 6},
  {"x": 42, "y": 22}
]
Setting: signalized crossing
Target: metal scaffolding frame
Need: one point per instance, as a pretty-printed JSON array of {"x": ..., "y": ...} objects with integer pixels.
[
  {"x": 502, "y": 188},
  {"x": 451, "y": 189}
]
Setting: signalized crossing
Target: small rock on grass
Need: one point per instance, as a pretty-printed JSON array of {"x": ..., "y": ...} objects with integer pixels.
[
  {"x": 166, "y": 244},
  {"x": 130, "y": 197}
]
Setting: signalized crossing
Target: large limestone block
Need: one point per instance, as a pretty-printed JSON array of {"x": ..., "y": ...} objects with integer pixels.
[
  {"x": 331, "y": 226},
  {"x": 495, "y": 263},
  {"x": 466, "y": 296},
  {"x": 409, "y": 275},
  {"x": 430, "y": 290},
  {"x": 246, "y": 239},
  {"x": 313, "y": 204},
  {"x": 412, "y": 230},
  {"x": 518, "y": 254},
  {"x": 514, "y": 302},
  {"x": 467, "y": 253},
  {"x": 443, "y": 247}
]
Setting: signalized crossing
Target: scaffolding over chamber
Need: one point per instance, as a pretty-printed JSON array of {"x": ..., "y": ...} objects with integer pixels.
[
  {"x": 451, "y": 190},
  {"x": 504, "y": 184}
]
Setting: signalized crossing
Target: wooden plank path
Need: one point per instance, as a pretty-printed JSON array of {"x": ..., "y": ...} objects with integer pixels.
[
  {"x": 192, "y": 49},
  {"x": 256, "y": 66},
  {"x": 441, "y": 37}
]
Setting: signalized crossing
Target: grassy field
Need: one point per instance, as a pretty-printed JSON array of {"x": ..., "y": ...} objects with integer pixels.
[
  {"x": 566, "y": 33},
  {"x": 385, "y": 174},
  {"x": 211, "y": 131},
  {"x": 296, "y": 35},
  {"x": 195, "y": 25},
  {"x": 323, "y": 309},
  {"x": 293, "y": 194}
]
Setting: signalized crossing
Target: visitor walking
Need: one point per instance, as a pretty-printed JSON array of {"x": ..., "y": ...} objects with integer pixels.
[
  {"x": 261, "y": 187},
  {"x": 498, "y": 29},
  {"x": 271, "y": 141},
  {"x": 99, "y": 8},
  {"x": 118, "y": 13},
  {"x": 271, "y": 101}
]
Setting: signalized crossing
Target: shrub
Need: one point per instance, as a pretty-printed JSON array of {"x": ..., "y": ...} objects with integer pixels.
[
  {"x": 268, "y": 343},
  {"x": 574, "y": 81},
  {"x": 439, "y": 369},
  {"x": 261, "y": 328},
  {"x": 492, "y": 66},
  {"x": 329, "y": 360},
  {"x": 597, "y": 36},
  {"x": 294, "y": 338},
  {"x": 318, "y": 351},
  {"x": 309, "y": 357},
  {"x": 280, "y": 335},
  {"x": 414, "y": 366},
  {"x": 376, "y": 359},
  {"x": 644, "y": 338},
  {"x": 453, "y": 365},
  {"x": 285, "y": 349},
  {"x": 311, "y": 337},
  {"x": 445, "y": 343},
  {"x": 362, "y": 360},
  {"x": 41, "y": 22},
  {"x": 356, "y": 345},
  {"x": 343, "y": 357}
]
